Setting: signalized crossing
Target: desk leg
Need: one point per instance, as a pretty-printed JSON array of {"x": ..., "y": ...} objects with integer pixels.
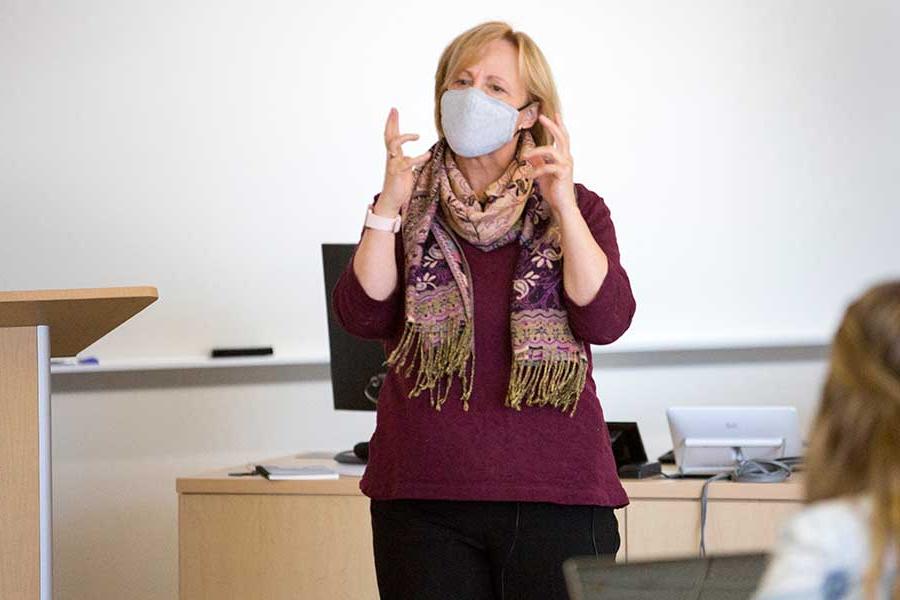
[
  {"x": 25, "y": 474},
  {"x": 46, "y": 469}
]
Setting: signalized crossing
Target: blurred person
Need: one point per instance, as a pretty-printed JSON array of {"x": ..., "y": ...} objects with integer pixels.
[{"x": 844, "y": 544}]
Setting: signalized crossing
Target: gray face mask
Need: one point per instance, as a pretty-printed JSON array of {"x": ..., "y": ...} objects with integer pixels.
[{"x": 474, "y": 123}]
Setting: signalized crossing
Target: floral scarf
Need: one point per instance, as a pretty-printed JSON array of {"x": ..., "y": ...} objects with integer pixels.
[{"x": 549, "y": 363}]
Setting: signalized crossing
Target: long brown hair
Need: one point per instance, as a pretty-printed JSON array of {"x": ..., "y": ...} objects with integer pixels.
[
  {"x": 854, "y": 446},
  {"x": 466, "y": 49}
]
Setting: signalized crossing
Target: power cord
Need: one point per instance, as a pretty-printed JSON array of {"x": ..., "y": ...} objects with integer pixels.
[{"x": 746, "y": 471}]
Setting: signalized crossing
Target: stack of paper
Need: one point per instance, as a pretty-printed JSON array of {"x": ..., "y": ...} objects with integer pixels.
[{"x": 275, "y": 472}]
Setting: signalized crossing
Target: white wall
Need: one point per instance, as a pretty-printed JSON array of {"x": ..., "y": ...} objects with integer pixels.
[
  {"x": 744, "y": 146},
  {"x": 119, "y": 442}
]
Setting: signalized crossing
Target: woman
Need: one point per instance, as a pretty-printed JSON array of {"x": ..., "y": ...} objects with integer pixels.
[
  {"x": 845, "y": 543},
  {"x": 483, "y": 476}
]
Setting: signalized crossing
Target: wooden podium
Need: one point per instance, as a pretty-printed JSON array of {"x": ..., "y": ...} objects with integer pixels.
[{"x": 35, "y": 325}]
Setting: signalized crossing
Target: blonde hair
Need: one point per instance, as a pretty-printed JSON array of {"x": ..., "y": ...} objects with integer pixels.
[
  {"x": 534, "y": 70},
  {"x": 855, "y": 441}
]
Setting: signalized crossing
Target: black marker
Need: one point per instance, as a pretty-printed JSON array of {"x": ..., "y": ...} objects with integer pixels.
[{"x": 233, "y": 352}]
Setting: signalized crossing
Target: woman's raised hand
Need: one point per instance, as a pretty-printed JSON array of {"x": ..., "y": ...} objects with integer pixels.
[
  {"x": 554, "y": 172},
  {"x": 398, "y": 170}
]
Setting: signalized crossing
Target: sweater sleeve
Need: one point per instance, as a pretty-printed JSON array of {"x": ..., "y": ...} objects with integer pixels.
[
  {"x": 608, "y": 315},
  {"x": 360, "y": 314}
]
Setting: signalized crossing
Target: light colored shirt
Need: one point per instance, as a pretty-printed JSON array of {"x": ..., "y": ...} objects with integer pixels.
[{"x": 823, "y": 553}]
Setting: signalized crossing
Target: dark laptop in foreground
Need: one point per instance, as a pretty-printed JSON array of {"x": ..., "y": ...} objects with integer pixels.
[{"x": 727, "y": 577}]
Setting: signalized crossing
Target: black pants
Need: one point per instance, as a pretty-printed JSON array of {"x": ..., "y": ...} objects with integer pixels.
[{"x": 463, "y": 550}]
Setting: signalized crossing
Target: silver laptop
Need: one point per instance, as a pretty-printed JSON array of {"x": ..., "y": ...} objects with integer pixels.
[{"x": 711, "y": 439}]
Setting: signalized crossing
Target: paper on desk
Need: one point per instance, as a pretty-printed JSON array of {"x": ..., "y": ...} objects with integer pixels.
[
  {"x": 345, "y": 469},
  {"x": 341, "y": 468}
]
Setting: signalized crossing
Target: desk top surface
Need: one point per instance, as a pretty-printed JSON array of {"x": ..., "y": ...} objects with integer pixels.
[{"x": 219, "y": 482}]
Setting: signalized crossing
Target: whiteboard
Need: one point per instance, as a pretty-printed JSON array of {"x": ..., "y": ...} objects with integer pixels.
[{"x": 748, "y": 152}]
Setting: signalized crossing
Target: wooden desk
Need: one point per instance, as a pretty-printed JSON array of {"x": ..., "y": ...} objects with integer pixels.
[{"x": 247, "y": 538}]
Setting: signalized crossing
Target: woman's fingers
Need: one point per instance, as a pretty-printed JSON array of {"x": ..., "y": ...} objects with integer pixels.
[
  {"x": 544, "y": 169},
  {"x": 399, "y": 177},
  {"x": 406, "y": 163},
  {"x": 392, "y": 125},
  {"x": 394, "y": 143},
  {"x": 550, "y": 154},
  {"x": 562, "y": 125},
  {"x": 559, "y": 136}
]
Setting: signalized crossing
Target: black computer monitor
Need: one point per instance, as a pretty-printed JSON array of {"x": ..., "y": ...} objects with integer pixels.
[
  {"x": 356, "y": 364},
  {"x": 627, "y": 446}
]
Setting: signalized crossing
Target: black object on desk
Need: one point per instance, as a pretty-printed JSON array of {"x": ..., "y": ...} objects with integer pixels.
[
  {"x": 255, "y": 471},
  {"x": 640, "y": 470},
  {"x": 668, "y": 458},
  {"x": 628, "y": 450},
  {"x": 239, "y": 352},
  {"x": 358, "y": 456}
]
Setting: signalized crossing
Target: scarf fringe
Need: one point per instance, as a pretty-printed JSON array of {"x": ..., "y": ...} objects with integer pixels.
[
  {"x": 556, "y": 381},
  {"x": 436, "y": 361}
]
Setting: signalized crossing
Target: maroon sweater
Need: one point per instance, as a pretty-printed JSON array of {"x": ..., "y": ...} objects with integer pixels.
[{"x": 492, "y": 452}]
